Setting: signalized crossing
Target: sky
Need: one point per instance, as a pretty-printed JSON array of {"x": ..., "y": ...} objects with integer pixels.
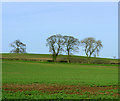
[{"x": 34, "y": 22}]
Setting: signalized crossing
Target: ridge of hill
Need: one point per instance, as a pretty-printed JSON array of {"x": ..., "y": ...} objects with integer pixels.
[{"x": 60, "y": 58}]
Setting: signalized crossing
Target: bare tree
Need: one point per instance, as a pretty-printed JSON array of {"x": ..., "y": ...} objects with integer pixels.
[
  {"x": 18, "y": 46},
  {"x": 71, "y": 45},
  {"x": 91, "y": 46},
  {"x": 55, "y": 43}
]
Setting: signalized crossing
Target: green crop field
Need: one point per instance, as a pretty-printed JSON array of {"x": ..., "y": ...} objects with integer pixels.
[{"x": 47, "y": 80}]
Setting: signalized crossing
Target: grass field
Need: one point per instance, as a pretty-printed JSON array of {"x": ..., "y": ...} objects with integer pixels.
[{"x": 44, "y": 80}]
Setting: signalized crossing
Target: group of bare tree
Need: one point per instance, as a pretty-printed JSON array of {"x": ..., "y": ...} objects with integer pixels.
[
  {"x": 58, "y": 44},
  {"x": 68, "y": 44}
]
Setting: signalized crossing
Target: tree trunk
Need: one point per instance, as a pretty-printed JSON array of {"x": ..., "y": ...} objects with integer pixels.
[
  {"x": 54, "y": 57},
  {"x": 88, "y": 60},
  {"x": 68, "y": 59}
]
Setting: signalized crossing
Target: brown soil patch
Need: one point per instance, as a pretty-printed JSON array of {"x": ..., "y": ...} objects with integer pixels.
[{"x": 69, "y": 89}]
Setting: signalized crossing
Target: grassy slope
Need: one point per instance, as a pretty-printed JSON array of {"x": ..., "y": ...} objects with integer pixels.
[
  {"x": 63, "y": 57},
  {"x": 61, "y": 73},
  {"x": 46, "y": 55}
]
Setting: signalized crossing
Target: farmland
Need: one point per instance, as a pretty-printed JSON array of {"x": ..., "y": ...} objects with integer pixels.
[
  {"x": 48, "y": 80},
  {"x": 60, "y": 58}
]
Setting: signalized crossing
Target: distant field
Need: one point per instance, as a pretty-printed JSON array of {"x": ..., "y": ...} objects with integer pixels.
[
  {"x": 60, "y": 58},
  {"x": 44, "y": 80}
]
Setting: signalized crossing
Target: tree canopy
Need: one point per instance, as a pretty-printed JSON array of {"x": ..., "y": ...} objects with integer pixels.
[
  {"x": 55, "y": 43},
  {"x": 18, "y": 46},
  {"x": 71, "y": 44},
  {"x": 91, "y": 46}
]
